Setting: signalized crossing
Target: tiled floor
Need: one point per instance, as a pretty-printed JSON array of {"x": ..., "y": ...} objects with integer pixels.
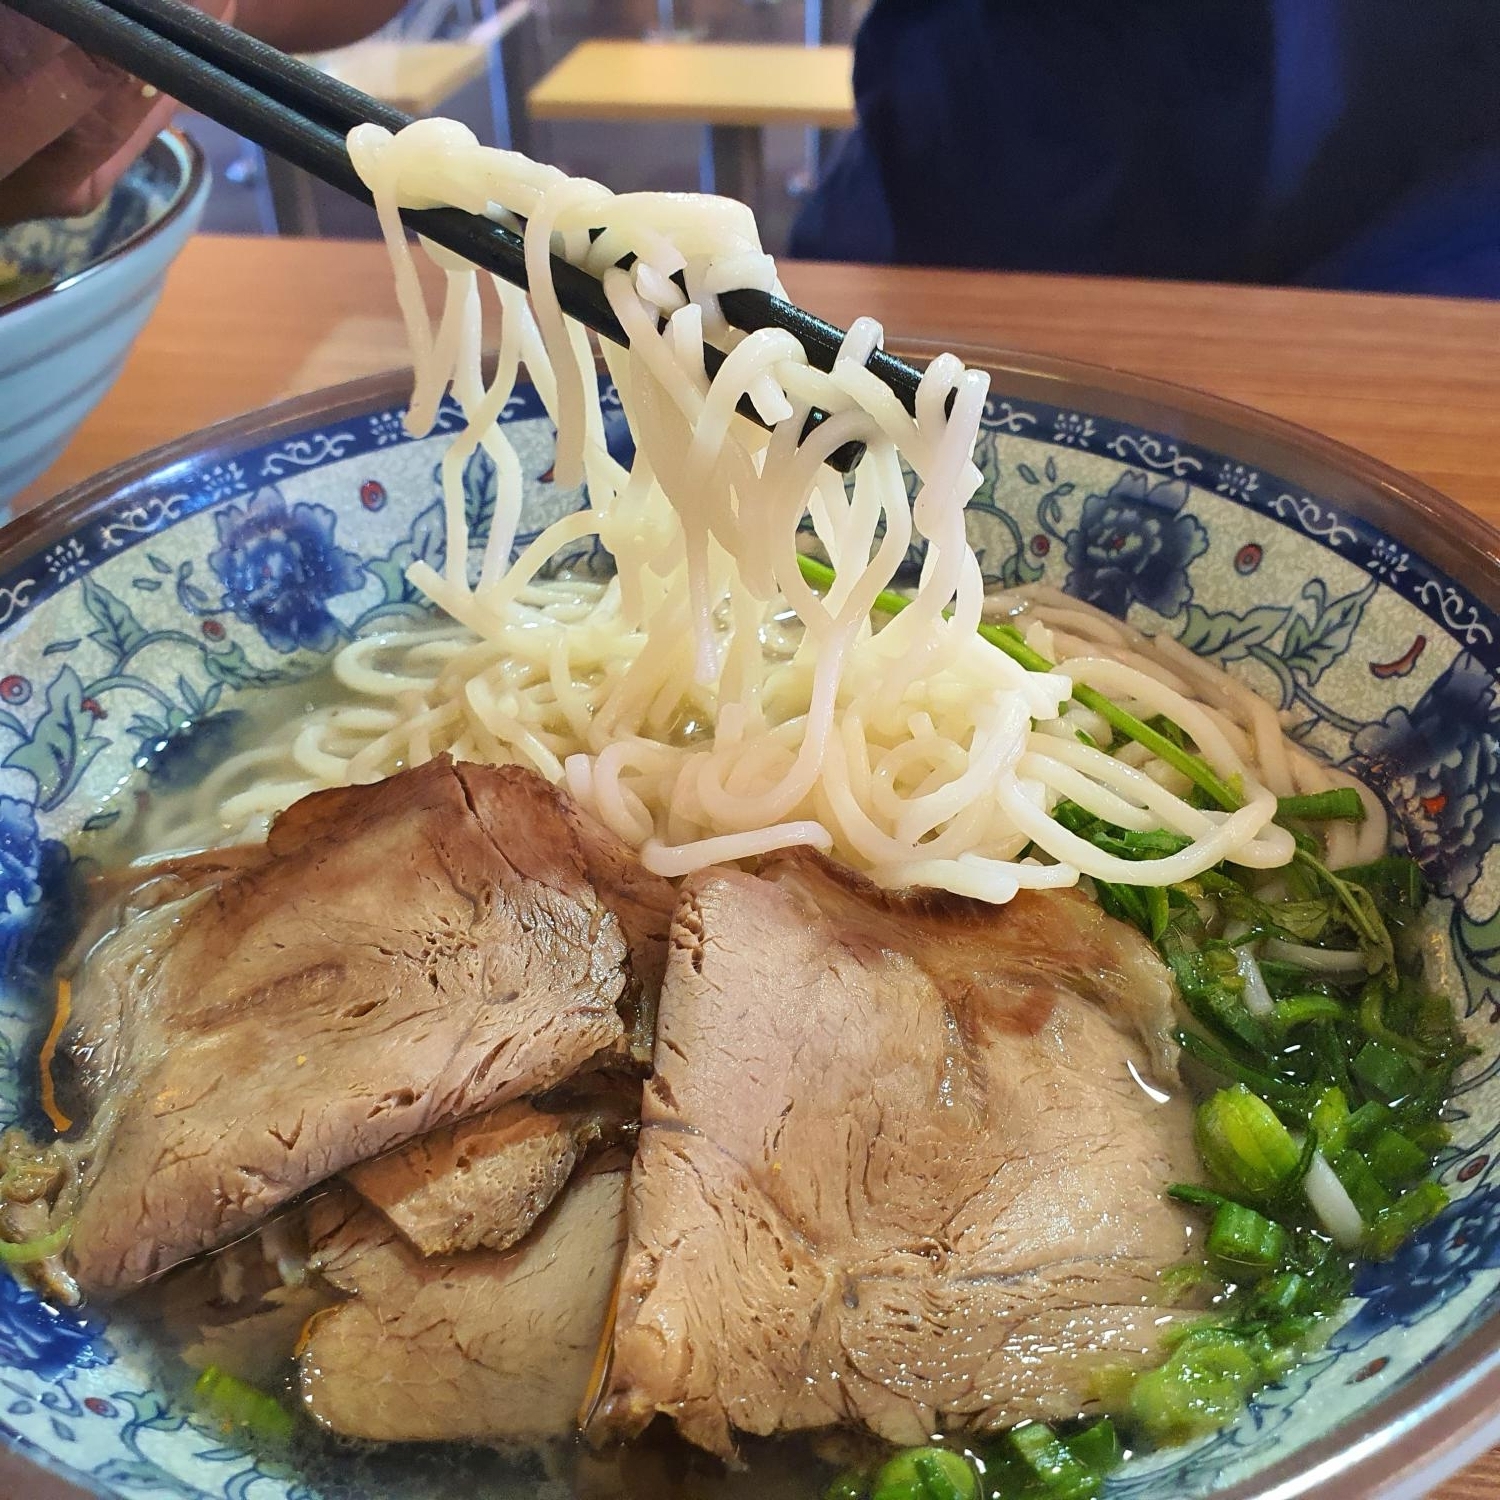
[{"x": 624, "y": 156}]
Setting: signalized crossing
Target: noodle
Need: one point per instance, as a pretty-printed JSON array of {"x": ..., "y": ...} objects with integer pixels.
[{"x": 709, "y": 705}]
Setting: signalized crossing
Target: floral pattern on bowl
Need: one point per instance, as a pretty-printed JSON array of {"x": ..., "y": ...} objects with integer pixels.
[{"x": 127, "y": 640}]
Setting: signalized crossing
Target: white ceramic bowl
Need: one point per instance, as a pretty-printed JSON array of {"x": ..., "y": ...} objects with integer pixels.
[{"x": 62, "y": 346}]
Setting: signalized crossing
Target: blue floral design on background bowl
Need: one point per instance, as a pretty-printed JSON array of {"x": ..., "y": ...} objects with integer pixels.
[
  {"x": 62, "y": 346},
  {"x": 136, "y": 620}
]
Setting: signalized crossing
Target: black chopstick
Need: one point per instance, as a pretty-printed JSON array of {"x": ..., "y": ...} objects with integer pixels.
[
  {"x": 314, "y": 94},
  {"x": 303, "y": 115},
  {"x": 309, "y": 141}
]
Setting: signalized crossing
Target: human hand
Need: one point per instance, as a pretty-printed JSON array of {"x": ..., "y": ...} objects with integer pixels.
[{"x": 69, "y": 124}]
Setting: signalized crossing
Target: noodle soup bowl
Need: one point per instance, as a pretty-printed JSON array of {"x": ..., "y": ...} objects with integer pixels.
[{"x": 142, "y": 612}]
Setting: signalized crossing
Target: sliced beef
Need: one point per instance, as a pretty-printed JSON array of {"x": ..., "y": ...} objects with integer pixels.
[
  {"x": 406, "y": 955},
  {"x": 487, "y": 1180},
  {"x": 149, "y": 901},
  {"x": 259, "y": 1345},
  {"x": 241, "y": 1309},
  {"x": 897, "y": 1170},
  {"x": 643, "y": 903},
  {"x": 486, "y": 1346}
]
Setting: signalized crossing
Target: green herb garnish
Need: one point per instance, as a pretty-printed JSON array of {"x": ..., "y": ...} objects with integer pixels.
[
  {"x": 1321, "y": 807},
  {"x": 239, "y": 1406}
]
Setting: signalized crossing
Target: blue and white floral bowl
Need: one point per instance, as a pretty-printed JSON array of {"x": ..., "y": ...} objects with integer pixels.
[
  {"x": 163, "y": 592},
  {"x": 62, "y": 346}
]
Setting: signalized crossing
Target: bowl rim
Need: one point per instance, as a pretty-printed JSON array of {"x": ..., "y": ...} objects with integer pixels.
[
  {"x": 192, "y": 175},
  {"x": 1447, "y": 1411}
]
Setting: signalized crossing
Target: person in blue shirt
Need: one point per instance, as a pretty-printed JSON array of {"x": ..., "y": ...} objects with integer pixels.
[{"x": 1334, "y": 143}]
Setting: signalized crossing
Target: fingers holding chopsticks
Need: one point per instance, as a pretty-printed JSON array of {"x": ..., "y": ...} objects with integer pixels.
[{"x": 70, "y": 124}]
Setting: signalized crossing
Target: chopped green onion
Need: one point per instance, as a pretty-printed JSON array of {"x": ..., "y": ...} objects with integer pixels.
[
  {"x": 1363, "y": 1187},
  {"x": 1298, "y": 1010},
  {"x": 1394, "y": 1225},
  {"x": 1385, "y": 1072},
  {"x": 1372, "y": 1021},
  {"x": 1278, "y": 1346},
  {"x": 1061, "y": 1472},
  {"x": 1284, "y": 1292},
  {"x": 1395, "y": 1160},
  {"x": 1033, "y": 1462},
  {"x": 1419, "y": 1108},
  {"x": 1283, "y": 978},
  {"x": 27, "y": 1252},
  {"x": 1330, "y": 1119},
  {"x": 1097, "y": 1447},
  {"x": 1245, "y": 1242},
  {"x": 1330, "y": 1056},
  {"x": 1185, "y": 1276},
  {"x": 1212, "y": 986},
  {"x": 1244, "y": 1145},
  {"x": 1342, "y": 803},
  {"x": 238, "y": 1404},
  {"x": 921, "y": 1474},
  {"x": 1286, "y": 1095},
  {"x": 1197, "y": 1197},
  {"x": 926, "y": 1474},
  {"x": 1430, "y": 1135},
  {"x": 1367, "y": 1121},
  {"x": 1196, "y": 1391}
]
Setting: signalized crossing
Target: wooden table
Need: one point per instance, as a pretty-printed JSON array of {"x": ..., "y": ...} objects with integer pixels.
[
  {"x": 734, "y": 89},
  {"x": 1415, "y": 382}
]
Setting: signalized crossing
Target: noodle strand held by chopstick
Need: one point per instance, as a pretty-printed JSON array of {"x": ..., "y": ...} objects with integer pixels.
[{"x": 712, "y": 705}]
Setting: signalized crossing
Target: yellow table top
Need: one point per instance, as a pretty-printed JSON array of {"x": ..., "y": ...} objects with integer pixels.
[
  {"x": 413, "y": 76},
  {"x": 707, "y": 82}
]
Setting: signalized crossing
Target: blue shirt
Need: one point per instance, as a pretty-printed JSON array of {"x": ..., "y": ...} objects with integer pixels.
[{"x": 1345, "y": 143}]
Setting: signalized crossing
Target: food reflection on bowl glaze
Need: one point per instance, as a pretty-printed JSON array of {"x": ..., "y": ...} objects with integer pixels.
[{"x": 16, "y": 283}]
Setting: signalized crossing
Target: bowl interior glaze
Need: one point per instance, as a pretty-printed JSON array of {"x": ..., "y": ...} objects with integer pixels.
[
  {"x": 1362, "y": 603},
  {"x": 64, "y": 249}
]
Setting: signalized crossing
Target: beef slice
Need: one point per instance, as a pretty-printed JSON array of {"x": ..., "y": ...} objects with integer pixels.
[
  {"x": 900, "y": 1169},
  {"x": 407, "y": 954}
]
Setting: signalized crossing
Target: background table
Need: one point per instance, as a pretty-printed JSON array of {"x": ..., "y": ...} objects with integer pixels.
[
  {"x": 735, "y": 89},
  {"x": 1415, "y": 382}
]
